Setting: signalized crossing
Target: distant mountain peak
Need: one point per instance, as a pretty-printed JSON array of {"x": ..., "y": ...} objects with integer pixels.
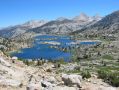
[
  {"x": 16, "y": 30},
  {"x": 105, "y": 25},
  {"x": 97, "y": 17},
  {"x": 84, "y": 17},
  {"x": 34, "y": 23},
  {"x": 81, "y": 17}
]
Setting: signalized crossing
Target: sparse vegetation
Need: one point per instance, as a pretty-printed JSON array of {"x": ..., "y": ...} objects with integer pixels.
[
  {"x": 85, "y": 74},
  {"x": 61, "y": 61},
  {"x": 110, "y": 77},
  {"x": 73, "y": 71},
  {"x": 109, "y": 57}
]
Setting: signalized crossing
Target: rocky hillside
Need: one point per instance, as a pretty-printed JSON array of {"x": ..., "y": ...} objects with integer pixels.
[
  {"x": 13, "y": 31},
  {"x": 65, "y": 26},
  {"x": 15, "y": 75},
  {"x": 58, "y": 26},
  {"x": 109, "y": 24}
]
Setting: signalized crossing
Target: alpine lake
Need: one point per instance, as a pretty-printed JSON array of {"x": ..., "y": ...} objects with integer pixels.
[{"x": 49, "y": 47}]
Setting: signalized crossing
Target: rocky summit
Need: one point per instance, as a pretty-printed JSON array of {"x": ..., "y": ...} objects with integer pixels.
[{"x": 108, "y": 24}]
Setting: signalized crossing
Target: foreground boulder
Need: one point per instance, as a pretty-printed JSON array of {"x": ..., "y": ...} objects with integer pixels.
[
  {"x": 10, "y": 82},
  {"x": 47, "y": 84},
  {"x": 34, "y": 86},
  {"x": 99, "y": 88},
  {"x": 52, "y": 80},
  {"x": 61, "y": 88},
  {"x": 71, "y": 80},
  {"x": 5, "y": 63},
  {"x": 90, "y": 86}
]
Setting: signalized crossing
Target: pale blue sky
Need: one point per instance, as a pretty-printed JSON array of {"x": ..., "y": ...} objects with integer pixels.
[{"x": 18, "y": 11}]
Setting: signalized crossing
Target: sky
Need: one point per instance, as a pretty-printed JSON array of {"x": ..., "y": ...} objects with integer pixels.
[{"x": 14, "y": 12}]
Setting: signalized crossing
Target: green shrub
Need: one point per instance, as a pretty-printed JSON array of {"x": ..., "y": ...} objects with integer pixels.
[
  {"x": 103, "y": 74},
  {"x": 109, "y": 57},
  {"x": 61, "y": 61},
  {"x": 86, "y": 74},
  {"x": 73, "y": 71},
  {"x": 110, "y": 77},
  {"x": 114, "y": 79}
]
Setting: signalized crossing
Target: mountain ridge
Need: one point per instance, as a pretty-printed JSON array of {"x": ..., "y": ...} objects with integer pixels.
[
  {"x": 107, "y": 25},
  {"x": 59, "y": 26}
]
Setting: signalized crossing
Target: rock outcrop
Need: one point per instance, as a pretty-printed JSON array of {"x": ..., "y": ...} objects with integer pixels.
[
  {"x": 61, "y": 88},
  {"x": 71, "y": 80},
  {"x": 34, "y": 86},
  {"x": 3, "y": 62}
]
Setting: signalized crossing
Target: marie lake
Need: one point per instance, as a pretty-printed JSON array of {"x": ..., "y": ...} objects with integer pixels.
[{"x": 43, "y": 47}]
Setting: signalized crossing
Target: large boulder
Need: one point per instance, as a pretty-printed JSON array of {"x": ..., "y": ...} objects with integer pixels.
[
  {"x": 106, "y": 88},
  {"x": 70, "y": 67},
  {"x": 61, "y": 88},
  {"x": 99, "y": 88},
  {"x": 10, "y": 82},
  {"x": 71, "y": 80},
  {"x": 51, "y": 80},
  {"x": 34, "y": 86},
  {"x": 3, "y": 62},
  {"x": 90, "y": 86},
  {"x": 46, "y": 84}
]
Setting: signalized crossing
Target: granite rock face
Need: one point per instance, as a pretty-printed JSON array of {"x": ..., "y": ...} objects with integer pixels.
[
  {"x": 61, "y": 88},
  {"x": 72, "y": 79},
  {"x": 3, "y": 62}
]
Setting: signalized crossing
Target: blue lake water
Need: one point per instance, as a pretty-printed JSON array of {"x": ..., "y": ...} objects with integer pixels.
[
  {"x": 44, "y": 51},
  {"x": 40, "y": 50}
]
